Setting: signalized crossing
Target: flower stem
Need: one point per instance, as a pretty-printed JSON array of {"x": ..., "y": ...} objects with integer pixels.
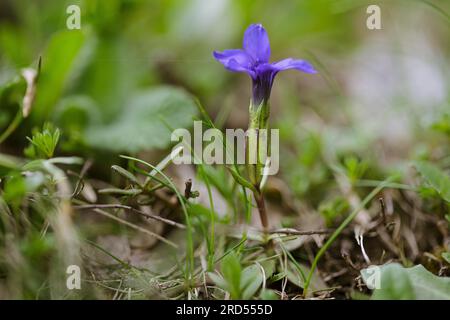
[
  {"x": 259, "y": 116},
  {"x": 259, "y": 198}
]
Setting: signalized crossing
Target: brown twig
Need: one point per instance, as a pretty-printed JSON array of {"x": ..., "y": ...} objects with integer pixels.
[
  {"x": 121, "y": 206},
  {"x": 300, "y": 232},
  {"x": 131, "y": 225},
  {"x": 188, "y": 189},
  {"x": 188, "y": 192},
  {"x": 383, "y": 211}
]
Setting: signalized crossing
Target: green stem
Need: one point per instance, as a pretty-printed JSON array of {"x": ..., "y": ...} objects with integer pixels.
[
  {"x": 259, "y": 120},
  {"x": 12, "y": 126},
  {"x": 338, "y": 231}
]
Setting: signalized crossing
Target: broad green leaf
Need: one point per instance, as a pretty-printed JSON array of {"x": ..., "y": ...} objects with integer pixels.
[
  {"x": 399, "y": 283},
  {"x": 143, "y": 123},
  {"x": 435, "y": 177},
  {"x": 14, "y": 45},
  {"x": 295, "y": 276},
  {"x": 75, "y": 113},
  {"x": 251, "y": 281},
  {"x": 269, "y": 267},
  {"x": 218, "y": 280},
  {"x": 252, "y": 277},
  {"x": 58, "y": 62}
]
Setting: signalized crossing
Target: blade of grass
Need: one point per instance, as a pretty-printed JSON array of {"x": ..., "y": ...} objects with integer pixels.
[{"x": 12, "y": 126}]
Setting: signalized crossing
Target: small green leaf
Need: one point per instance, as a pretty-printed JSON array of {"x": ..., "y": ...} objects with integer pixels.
[
  {"x": 435, "y": 177},
  {"x": 232, "y": 271},
  {"x": 239, "y": 179},
  {"x": 399, "y": 283},
  {"x": 125, "y": 173},
  {"x": 44, "y": 142}
]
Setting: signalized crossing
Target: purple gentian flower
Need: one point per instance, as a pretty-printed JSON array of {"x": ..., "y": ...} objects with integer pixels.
[{"x": 254, "y": 60}]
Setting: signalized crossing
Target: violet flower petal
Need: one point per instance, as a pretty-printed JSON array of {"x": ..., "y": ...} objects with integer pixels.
[
  {"x": 290, "y": 63},
  {"x": 235, "y": 60},
  {"x": 239, "y": 55},
  {"x": 256, "y": 43}
]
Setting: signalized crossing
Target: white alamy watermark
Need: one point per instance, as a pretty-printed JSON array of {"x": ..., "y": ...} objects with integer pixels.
[
  {"x": 373, "y": 21},
  {"x": 236, "y": 146},
  {"x": 73, "y": 280},
  {"x": 373, "y": 277},
  {"x": 73, "y": 21}
]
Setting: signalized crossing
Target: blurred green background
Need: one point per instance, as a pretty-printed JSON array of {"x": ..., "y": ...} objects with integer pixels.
[{"x": 105, "y": 86}]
